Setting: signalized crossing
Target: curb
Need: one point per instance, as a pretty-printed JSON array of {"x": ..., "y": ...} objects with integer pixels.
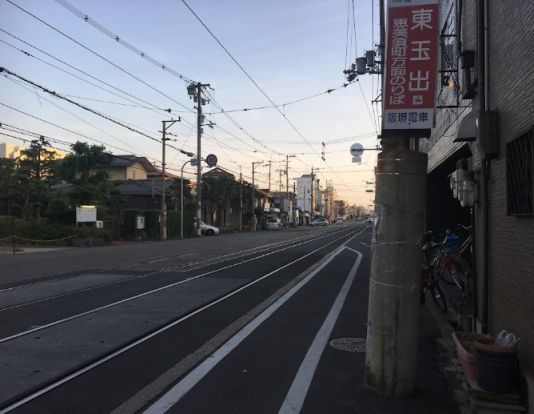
[{"x": 450, "y": 364}]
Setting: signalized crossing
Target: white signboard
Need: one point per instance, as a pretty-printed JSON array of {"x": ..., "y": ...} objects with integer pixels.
[
  {"x": 85, "y": 214},
  {"x": 139, "y": 222}
]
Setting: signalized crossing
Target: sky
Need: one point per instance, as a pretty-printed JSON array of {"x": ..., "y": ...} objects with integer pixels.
[{"x": 291, "y": 49}]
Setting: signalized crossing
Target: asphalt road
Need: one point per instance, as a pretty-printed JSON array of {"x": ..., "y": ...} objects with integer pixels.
[{"x": 217, "y": 324}]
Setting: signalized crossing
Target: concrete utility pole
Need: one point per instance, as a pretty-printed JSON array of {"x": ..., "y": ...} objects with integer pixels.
[
  {"x": 392, "y": 331},
  {"x": 182, "y": 199},
  {"x": 195, "y": 90},
  {"x": 295, "y": 203},
  {"x": 240, "y": 200},
  {"x": 269, "y": 190},
  {"x": 253, "y": 224},
  {"x": 312, "y": 209},
  {"x": 163, "y": 212},
  {"x": 287, "y": 173}
]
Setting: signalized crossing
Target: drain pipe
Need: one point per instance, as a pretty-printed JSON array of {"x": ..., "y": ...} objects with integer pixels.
[{"x": 482, "y": 63}]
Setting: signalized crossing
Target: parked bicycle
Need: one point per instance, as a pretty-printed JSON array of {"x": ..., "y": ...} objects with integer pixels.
[
  {"x": 453, "y": 264},
  {"x": 430, "y": 249},
  {"x": 445, "y": 260}
]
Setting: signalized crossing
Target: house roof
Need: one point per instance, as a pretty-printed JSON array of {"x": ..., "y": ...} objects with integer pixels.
[
  {"x": 119, "y": 161},
  {"x": 218, "y": 173}
]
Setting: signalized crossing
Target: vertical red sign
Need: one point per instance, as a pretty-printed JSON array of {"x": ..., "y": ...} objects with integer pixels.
[{"x": 411, "y": 61}]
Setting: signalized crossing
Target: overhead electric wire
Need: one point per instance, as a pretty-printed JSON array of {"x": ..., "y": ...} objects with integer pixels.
[
  {"x": 306, "y": 98},
  {"x": 99, "y": 55},
  {"x": 44, "y": 89},
  {"x": 73, "y": 114},
  {"x": 110, "y": 34},
  {"x": 151, "y": 106},
  {"x": 121, "y": 41},
  {"x": 367, "y": 107},
  {"x": 26, "y": 132},
  {"x": 256, "y": 84}
]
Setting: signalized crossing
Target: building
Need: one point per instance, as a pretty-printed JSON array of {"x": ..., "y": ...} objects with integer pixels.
[
  {"x": 130, "y": 167},
  {"x": 484, "y": 140},
  {"x": 306, "y": 193},
  {"x": 13, "y": 151}
]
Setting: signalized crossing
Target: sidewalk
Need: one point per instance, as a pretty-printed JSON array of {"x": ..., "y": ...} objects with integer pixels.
[{"x": 338, "y": 386}]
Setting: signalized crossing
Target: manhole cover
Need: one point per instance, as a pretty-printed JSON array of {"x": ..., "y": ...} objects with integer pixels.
[{"x": 349, "y": 344}]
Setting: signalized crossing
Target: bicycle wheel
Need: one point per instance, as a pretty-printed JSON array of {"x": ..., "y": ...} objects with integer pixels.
[
  {"x": 438, "y": 297},
  {"x": 451, "y": 272}
]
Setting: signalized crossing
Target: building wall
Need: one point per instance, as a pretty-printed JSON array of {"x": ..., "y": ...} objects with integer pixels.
[
  {"x": 511, "y": 93},
  {"x": 136, "y": 172},
  {"x": 303, "y": 192},
  {"x": 511, "y": 238},
  {"x": 13, "y": 151}
]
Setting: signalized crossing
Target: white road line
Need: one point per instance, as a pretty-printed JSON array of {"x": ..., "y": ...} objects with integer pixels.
[
  {"x": 255, "y": 250},
  {"x": 189, "y": 381},
  {"x": 299, "y": 388},
  {"x": 128, "y": 279},
  {"x": 109, "y": 305},
  {"x": 157, "y": 332}
]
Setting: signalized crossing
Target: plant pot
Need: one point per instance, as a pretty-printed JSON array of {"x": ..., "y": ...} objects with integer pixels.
[
  {"x": 464, "y": 345},
  {"x": 497, "y": 368}
]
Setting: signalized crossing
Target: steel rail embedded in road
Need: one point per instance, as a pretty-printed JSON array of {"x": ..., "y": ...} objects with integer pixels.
[
  {"x": 159, "y": 289},
  {"x": 20, "y": 400},
  {"x": 203, "y": 263}
]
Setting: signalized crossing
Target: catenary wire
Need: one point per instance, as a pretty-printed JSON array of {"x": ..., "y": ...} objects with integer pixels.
[{"x": 99, "y": 56}]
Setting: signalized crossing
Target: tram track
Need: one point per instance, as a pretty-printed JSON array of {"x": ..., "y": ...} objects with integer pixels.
[{"x": 80, "y": 369}]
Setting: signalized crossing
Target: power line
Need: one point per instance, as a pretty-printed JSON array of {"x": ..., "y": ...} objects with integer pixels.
[
  {"x": 306, "y": 98},
  {"x": 53, "y": 93},
  {"x": 72, "y": 114},
  {"x": 121, "y": 41},
  {"x": 23, "y": 131},
  {"x": 99, "y": 55},
  {"x": 255, "y": 84},
  {"x": 138, "y": 51},
  {"x": 151, "y": 106}
]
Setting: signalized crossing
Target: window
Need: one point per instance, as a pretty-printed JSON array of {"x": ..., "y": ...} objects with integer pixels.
[{"x": 520, "y": 175}]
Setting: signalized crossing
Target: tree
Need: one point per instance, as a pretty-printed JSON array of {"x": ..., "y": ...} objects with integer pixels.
[
  {"x": 11, "y": 192},
  {"x": 82, "y": 169},
  {"x": 36, "y": 174},
  {"x": 218, "y": 194}
]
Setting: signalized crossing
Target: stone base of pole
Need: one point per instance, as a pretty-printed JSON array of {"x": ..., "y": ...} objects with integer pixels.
[{"x": 392, "y": 331}]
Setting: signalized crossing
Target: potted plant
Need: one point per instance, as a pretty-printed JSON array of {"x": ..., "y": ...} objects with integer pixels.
[{"x": 465, "y": 343}]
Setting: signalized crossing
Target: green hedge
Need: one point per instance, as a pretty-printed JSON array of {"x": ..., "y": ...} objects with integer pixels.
[{"x": 46, "y": 230}]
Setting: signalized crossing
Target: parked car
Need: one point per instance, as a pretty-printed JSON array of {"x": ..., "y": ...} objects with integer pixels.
[
  {"x": 273, "y": 223},
  {"x": 208, "y": 230},
  {"x": 319, "y": 222},
  {"x": 339, "y": 220}
]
